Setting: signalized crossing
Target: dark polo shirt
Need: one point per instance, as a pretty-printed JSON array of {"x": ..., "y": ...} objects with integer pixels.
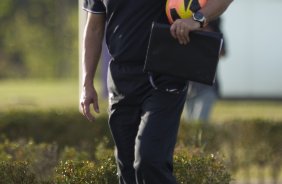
[{"x": 128, "y": 24}]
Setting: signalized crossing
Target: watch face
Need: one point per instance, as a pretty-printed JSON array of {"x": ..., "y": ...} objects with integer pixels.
[{"x": 198, "y": 16}]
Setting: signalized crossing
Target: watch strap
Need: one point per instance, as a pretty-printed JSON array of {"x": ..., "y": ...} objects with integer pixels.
[{"x": 202, "y": 20}]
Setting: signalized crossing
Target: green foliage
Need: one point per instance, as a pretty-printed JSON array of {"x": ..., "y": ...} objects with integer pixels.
[
  {"x": 16, "y": 173},
  {"x": 188, "y": 169},
  {"x": 42, "y": 158},
  {"x": 39, "y": 38},
  {"x": 67, "y": 128},
  {"x": 200, "y": 169},
  {"x": 102, "y": 150},
  {"x": 79, "y": 170},
  {"x": 70, "y": 153},
  {"x": 71, "y": 172},
  {"x": 68, "y": 136},
  {"x": 242, "y": 142},
  {"x": 5, "y": 8}
]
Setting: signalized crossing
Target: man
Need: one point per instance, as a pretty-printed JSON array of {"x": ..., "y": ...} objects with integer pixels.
[{"x": 143, "y": 121}]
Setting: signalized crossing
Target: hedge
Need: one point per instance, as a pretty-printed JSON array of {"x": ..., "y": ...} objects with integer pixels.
[
  {"x": 197, "y": 169},
  {"x": 16, "y": 173},
  {"x": 65, "y": 128},
  {"x": 243, "y": 143}
]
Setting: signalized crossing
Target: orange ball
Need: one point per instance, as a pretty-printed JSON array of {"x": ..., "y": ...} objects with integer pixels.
[{"x": 181, "y": 9}]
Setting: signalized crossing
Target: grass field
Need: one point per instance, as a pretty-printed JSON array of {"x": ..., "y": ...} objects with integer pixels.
[
  {"x": 63, "y": 94},
  {"x": 38, "y": 94},
  {"x": 247, "y": 109}
]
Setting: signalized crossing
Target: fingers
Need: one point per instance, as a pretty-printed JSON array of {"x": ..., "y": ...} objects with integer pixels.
[
  {"x": 96, "y": 106},
  {"x": 85, "y": 107},
  {"x": 86, "y": 111},
  {"x": 180, "y": 31},
  {"x": 182, "y": 35}
]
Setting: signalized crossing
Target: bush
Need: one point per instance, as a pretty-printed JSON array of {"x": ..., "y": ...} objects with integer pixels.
[
  {"x": 42, "y": 158},
  {"x": 198, "y": 169},
  {"x": 16, "y": 173},
  {"x": 71, "y": 172},
  {"x": 70, "y": 153},
  {"x": 243, "y": 143},
  {"x": 65, "y": 128}
]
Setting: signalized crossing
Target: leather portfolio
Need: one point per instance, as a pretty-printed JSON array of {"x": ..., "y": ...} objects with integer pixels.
[{"x": 197, "y": 61}]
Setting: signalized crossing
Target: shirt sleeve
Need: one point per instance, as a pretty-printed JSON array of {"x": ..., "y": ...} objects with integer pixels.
[{"x": 94, "y": 6}]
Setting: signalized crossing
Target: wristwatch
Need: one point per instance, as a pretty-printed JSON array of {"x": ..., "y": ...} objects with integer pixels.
[{"x": 199, "y": 17}]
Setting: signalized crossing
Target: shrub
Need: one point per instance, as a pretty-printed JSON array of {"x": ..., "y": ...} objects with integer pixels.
[
  {"x": 42, "y": 158},
  {"x": 75, "y": 172},
  {"x": 71, "y": 172},
  {"x": 200, "y": 169},
  {"x": 188, "y": 169},
  {"x": 16, "y": 173},
  {"x": 243, "y": 142},
  {"x": 66, "y": 128},
  {"x": 70, "y": 153}
]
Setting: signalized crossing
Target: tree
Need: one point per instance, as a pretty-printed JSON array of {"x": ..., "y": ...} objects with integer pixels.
[{"x": 38, "y": 38}]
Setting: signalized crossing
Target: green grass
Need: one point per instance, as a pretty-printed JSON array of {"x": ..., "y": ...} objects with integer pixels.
[
  {"x": 63, "y": 94},
  {"x": 38, "y": 94},
  {"x": 254, "y": 176},
  {"x": 247, "y": 109}
]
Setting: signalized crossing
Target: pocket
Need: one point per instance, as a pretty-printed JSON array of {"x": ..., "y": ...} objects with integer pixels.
[{"x": 168, "y": 83}]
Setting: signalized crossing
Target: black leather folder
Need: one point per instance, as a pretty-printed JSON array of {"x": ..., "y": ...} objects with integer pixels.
[{"x": 197, "y": 61}]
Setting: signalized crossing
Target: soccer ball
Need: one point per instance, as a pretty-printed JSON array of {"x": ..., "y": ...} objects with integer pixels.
[{"x": 179, "y": 9}]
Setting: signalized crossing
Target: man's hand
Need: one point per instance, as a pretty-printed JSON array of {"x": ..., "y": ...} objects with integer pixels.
[
  {"x": 89, "y": 96},
  {"x": 181, "y": 28}
]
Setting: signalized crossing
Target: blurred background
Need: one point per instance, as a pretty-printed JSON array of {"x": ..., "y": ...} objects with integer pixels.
[
  {"x": 252, "y": 68},
  {"x": 39, "y": 92}
]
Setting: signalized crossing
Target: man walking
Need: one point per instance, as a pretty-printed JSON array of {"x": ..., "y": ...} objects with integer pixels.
[{"x": 143, "y": 121}]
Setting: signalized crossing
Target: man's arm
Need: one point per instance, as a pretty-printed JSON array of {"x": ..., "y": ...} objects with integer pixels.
[
  {"x": 92, "y": 46},
  {"x": 214, "y": 8},
  {"x": 180, "y": 28}
]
